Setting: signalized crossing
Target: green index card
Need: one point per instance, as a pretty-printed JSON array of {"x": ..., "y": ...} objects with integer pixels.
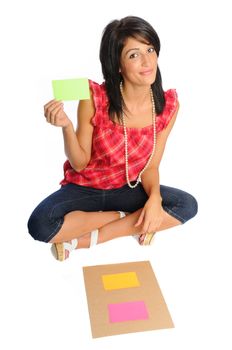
[{"x": 71, "y": 89}]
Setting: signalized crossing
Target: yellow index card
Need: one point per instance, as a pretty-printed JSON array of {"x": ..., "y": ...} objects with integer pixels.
[{"x": 120, "y": 281}]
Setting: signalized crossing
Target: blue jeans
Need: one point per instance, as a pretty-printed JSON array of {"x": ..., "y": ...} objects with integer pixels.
[{"x": 48, "y": 217}]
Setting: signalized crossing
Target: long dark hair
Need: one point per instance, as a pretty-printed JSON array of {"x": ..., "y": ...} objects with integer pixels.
[{"x": 113, "y": 40}]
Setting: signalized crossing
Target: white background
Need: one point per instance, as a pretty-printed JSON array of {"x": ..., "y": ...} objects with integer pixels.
[{"x": 43, "y": 303}]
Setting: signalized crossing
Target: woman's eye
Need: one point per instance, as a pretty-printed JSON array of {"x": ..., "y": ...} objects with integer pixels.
[
  {"x": 134, "y": 55},
  {"x": 151, "y": 49}
]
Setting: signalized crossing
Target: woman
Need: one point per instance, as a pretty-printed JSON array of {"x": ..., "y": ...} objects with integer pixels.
[{"x": 111, "y": 177}]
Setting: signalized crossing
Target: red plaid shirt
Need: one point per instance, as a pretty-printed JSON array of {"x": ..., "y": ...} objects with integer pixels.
[{"x": 106, "y": 169}]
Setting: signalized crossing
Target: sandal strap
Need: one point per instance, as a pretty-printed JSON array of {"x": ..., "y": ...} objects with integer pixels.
[
  {"x": 122, "y": 214},
  {"x": 94, "y": 237},
  {"x": 74, "y": 243},
  {"x": 70, "y": 246}
]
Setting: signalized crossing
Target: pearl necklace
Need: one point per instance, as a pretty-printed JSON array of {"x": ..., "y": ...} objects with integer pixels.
[{"x": 126, "y": 142}]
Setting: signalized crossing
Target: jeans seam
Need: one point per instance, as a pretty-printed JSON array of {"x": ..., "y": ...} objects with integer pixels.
[
  {"x": 178, "y": 217},
  {"x": 55, "y": 231}
]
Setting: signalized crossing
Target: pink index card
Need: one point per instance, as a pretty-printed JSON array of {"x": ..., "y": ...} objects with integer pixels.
[{"x": 129, "y": 311}]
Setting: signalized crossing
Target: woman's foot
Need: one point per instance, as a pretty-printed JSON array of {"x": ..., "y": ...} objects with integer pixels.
[
  {"x": 61, "y": 251},
  {"x": 146, "y": 238}
]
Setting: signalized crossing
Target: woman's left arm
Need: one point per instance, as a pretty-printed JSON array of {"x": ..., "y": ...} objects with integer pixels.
[{"x": 152, "y": 213}]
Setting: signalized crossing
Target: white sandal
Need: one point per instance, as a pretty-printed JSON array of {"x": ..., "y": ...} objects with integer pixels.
[
  {"x": 149, "y": 238},
  {"x": 59, "y": 249}
]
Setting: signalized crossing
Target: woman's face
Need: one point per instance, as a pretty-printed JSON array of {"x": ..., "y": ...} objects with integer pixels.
[{"x": 138, "y": 63}]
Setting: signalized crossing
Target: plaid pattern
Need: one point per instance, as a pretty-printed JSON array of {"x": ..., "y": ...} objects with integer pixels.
[{"x": 106, "y": 169}]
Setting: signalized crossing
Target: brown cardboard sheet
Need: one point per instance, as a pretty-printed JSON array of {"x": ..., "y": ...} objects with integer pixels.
[{"x": 147, "y": 291}]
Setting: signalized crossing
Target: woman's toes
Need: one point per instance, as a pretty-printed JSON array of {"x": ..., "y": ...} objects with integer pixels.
[
  {"x": 141, "y": 238},
  {"x": 66, "y": 254}
]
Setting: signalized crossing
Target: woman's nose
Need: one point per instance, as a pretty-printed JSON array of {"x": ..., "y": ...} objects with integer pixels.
[{"x": 145, "y": 60}]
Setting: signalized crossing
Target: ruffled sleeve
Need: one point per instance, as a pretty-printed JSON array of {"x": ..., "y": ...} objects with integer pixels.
[
  {"x": 96, "y": 95},
  {"x": 100, "y": 102},
  {"x": 171, "y": 103}
]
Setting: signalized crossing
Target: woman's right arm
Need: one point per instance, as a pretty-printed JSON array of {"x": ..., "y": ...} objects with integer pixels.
[{"x": 77, "y": 144}]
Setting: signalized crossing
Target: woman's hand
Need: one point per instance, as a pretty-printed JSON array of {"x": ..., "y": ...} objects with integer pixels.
[
  {"x": 151, "y": 216},
  {"x": 55, "y": 115}
]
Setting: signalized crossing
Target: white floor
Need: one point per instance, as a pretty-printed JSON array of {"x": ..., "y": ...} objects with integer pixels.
[{"x": 44, "y": 306}]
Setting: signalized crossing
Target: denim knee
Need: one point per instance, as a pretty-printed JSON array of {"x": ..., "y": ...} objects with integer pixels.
[
  {"x": 41, "y": 227},
  {"x": 191, "y": 207},
  {"x": 33, "y": 227}
]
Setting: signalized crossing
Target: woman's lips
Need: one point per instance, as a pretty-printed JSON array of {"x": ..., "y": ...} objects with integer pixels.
[{"x": 146, "y": 72}]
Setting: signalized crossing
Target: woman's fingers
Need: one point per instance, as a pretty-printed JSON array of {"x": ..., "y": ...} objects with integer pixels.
[
  {"x": 48, "y": 106},
  {"x": 52, "y": 110},
  {"x": 55, "y": 114},
  {"x": 140, "y": 219},
  {"x": 152, "y": 226}
]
